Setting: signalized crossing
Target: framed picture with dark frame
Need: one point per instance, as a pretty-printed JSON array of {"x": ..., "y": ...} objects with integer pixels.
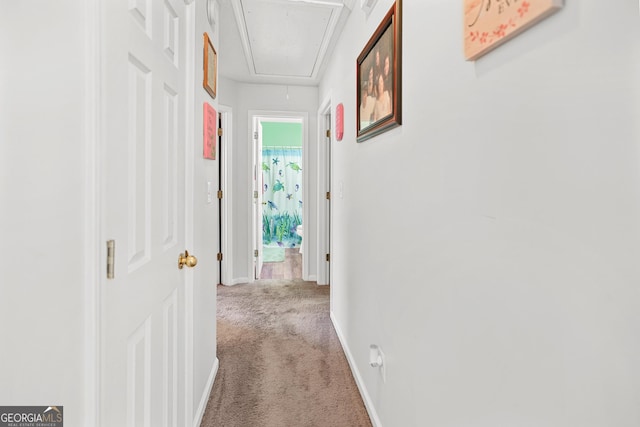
[
  {"x": 379, "y": 78},
  {"x": 210, "y": 81}
]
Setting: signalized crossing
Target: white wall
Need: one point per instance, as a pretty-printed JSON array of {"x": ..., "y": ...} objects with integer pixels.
[
  {"x": 245, "y": 97},
  {"x": 490, "y": 245},
  {"x": 41, "y": 205},
  {"x": 206, "y": 225}
]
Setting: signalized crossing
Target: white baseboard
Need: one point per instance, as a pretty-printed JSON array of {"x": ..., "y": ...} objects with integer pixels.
[
  {"x": 373, "y": 415},
  {"x": 205, "y": 396},
  {"x": 312, "y": 278}
]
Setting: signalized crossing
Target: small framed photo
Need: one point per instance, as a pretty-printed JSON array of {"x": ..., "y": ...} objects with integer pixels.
[
  {"x": 379, "y": 78},
  {"x": 210, "y": 81}
]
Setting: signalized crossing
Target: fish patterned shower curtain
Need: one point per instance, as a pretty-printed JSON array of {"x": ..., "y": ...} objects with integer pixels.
[{"x": 282, "y": 193}]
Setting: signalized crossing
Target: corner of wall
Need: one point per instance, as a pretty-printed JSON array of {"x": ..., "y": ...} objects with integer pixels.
[
  {"x": 197, "y": 420},
  {"x": 366, "y": 398}
]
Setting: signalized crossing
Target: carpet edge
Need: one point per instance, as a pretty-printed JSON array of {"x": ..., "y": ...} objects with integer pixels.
[{"x": 368, "y": 404}]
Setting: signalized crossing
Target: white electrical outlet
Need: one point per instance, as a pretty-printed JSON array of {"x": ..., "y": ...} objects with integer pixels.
[{"x": 376, "y": 360}]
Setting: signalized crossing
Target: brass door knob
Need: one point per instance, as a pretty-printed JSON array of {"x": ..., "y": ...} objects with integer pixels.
[{"x": 186, "y": 259}]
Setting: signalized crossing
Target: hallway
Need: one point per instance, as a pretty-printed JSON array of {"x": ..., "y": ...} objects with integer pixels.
[
  {"x": 281, "y": 363},
  {"x": 488, "y": 244}
]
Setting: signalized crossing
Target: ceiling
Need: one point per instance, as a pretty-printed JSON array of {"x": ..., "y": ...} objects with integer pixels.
[{"x": 278, "y": 41}]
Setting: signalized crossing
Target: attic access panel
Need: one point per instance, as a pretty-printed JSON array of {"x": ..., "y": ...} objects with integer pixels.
[{"x": 287, "y": 38}]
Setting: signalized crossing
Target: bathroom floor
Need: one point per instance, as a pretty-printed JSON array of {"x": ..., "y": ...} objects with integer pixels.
[{"x": 290, "y": 268}]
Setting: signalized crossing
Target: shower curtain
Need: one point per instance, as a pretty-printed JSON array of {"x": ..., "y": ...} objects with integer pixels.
[{"x": 282, "y": 193}]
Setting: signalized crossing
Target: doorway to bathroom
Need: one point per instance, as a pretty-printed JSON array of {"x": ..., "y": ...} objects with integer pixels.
[{"x": 278, "y": 213}]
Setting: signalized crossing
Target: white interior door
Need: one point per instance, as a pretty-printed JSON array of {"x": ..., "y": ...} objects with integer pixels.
[
  {"x": 258, "y": 190},
  {"x": 142, "y": 314}
]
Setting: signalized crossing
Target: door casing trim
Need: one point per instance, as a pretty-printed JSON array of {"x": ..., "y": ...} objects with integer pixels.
[
  {"x": 226, "y": 163},
  {"x": 323, "y": 245},
  {"x": 93, "y": 196}
]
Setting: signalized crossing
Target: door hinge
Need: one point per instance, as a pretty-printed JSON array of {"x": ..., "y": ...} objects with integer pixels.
[
  {"x": 111, "y": 256},
  {"x": 328, "y": 133},
  {"x": 255, "y": 253},
  {"x": 328, "y": 257},
  {"x": 219, "y": 194},
  {"x": 219, "y": 256},
  {"x": 255, "y": 194},
  {"x": 328, "y": 195},
  {"x": 255, "y": 135},
  {"x": 220, "y": 132}
]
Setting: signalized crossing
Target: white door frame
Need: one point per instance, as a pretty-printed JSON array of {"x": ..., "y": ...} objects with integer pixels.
[
  {"x": 324, "y": 185},
  {"x": 94, "y": 193},
  {"x": 258, "y": 196},
  {"x": 189, "y": 155},
  {"x": 226, "y": 163},
  {"x": 273, "y": 116}
]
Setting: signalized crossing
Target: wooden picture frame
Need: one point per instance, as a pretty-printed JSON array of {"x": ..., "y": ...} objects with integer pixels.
[
  {"x": 210, "y": 81},
  {"x": 379, "y": 78}
]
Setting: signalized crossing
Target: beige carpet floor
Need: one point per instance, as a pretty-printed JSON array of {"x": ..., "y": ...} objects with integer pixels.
[{"x": 281, "y": 364}]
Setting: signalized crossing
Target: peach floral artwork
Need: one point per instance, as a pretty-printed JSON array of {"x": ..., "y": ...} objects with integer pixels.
[{"x": 489, "y": 23}]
